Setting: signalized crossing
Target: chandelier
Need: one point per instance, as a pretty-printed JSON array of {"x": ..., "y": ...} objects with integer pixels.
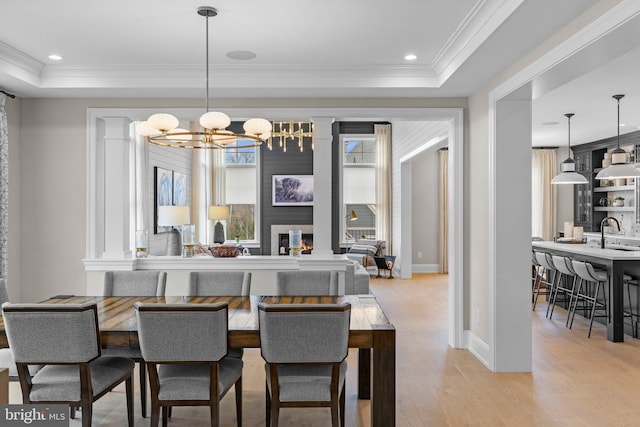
[
  {"x": 291, "y": 130},
  {"x": 162, "y": 128}
]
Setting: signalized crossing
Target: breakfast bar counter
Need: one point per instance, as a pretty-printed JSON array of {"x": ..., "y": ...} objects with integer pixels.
[{"x": 616, "y": 260}]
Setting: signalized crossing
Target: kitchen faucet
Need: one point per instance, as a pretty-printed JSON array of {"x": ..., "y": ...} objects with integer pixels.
[{"x": 602, "y": 229}]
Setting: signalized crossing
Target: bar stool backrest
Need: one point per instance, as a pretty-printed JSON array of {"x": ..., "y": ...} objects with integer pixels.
[
  {"x": 585, "y": 270},
  {"x": 563, "y": 265},
  {"x": 545, "y": 260}
]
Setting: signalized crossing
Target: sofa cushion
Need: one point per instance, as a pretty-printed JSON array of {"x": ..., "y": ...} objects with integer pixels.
[{"x": 363, "y": 249}]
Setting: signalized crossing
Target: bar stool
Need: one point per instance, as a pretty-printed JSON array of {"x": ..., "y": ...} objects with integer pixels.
[
  {"x": 629, "y": 281},
  {"x": 565, "y": 269},
  {"x": 545, "y": 285},
  {"x": 588, "y": 274}
]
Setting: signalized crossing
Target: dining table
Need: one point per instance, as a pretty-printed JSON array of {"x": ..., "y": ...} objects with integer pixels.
[{"x": 370, "y": 332}]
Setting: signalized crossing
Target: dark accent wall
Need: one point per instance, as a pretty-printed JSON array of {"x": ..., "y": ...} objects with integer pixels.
[
  {"x": 294, "y": 162},
  {"x": 275, "y": 162}
]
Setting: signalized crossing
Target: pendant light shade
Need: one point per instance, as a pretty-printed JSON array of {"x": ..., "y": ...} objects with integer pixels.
[
  {"x": 619, "y": 167},
  {"x": 568, "y": 174}
]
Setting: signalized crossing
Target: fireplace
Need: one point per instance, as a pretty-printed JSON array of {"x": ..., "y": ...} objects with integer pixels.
[
  {"x": 283, "y": 243},
  {"x": 283, "y": 229}
]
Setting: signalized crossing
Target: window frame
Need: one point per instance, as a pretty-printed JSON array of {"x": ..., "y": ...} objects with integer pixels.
[{"x": 343, "y": 214}]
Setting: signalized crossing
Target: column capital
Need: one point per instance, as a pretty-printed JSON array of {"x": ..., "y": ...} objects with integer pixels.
[{"x": 322, "y": 127}]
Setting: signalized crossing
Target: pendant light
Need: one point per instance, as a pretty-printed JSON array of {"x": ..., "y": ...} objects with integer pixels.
[
  {"x": 568, "y": 174},
  {"x": 162, "y": 128},
  {"x": 619, "y": 167}
]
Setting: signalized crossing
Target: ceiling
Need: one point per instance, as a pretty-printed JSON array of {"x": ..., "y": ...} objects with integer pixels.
[{"x": 328, "y": 49}]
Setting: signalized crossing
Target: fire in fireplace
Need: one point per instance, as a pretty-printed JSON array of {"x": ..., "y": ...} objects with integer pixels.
[{"x": 283, "y": 243}]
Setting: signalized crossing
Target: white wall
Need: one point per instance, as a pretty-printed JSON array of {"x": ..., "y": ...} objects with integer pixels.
[
  {"x": 425, "y": 211},
  {"x": 477, "y": 188}
]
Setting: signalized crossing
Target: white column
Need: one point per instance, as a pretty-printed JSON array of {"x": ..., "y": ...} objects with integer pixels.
[
  {"x": 117, "y": 188},
  {"x": 322, "y": 142},
  {"x": 511, "y": 233}
]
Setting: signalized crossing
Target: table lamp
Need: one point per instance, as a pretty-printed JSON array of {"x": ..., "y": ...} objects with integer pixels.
[
  {"x": 217, "y": 213},
  {"x": 173, "y": 216}
]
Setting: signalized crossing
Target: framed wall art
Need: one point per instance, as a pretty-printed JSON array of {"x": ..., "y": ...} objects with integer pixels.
[
  {"x": 163, "y": 194},
  {"x": 292, "y": 190}
]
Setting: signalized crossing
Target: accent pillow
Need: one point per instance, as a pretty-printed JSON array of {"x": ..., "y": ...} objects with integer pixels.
[{"x": 363, "y": 249}]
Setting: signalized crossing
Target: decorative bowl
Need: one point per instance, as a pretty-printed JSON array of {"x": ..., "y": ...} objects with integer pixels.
[{"x": 223, "y": 251}]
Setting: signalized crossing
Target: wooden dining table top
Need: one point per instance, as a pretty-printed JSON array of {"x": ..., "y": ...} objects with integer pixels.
[{"x": 118, "y": 324}]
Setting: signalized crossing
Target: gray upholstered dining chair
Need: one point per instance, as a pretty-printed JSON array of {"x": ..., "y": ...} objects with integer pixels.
[
  {"x": 184, "y": 346},
  {"x": 219, "y": 283},
  {"x": 134, "y": 283},
  {"x": 306, "y": 282},
  {"x": 65, "y": 339},
  {"x": 305, "y": 347},
  {"x": 6, "y": 357}
]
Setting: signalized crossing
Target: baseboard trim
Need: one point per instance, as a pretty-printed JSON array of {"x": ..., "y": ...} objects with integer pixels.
[
  {"x": 477, "y": 347},
  {"x": 425, "y": 268}
]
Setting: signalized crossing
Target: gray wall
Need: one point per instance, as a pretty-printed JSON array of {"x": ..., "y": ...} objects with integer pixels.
[{"x": 424, "y": 208}]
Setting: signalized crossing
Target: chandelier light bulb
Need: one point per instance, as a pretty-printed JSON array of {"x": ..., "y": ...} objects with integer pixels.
[
  {"x": 258, "y": 127},
  {"x": 215, "y": 120},
  {"x": 144, "y": 129},
  {"x": 163, "y": 122}
]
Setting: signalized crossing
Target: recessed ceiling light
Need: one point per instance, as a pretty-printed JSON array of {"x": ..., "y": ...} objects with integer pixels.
[
  {"x": 411, "y": 57},
  {"x": 549, "y": 123},
  {"x": 55, "y": 57},
  {"x": 241, "y": 55}
]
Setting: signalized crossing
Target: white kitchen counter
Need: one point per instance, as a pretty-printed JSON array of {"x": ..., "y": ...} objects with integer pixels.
[{"x": 591, "y": 250}]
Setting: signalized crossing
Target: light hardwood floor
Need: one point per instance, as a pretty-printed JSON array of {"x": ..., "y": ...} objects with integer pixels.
[{"x": 576, "y": 381}]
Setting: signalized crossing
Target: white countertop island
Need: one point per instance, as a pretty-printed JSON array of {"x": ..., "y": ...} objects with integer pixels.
[{"x": 616, "y": 261}]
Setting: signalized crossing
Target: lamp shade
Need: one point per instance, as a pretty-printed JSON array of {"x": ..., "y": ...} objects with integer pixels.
[
  {"x": 171, "y": 216},
  {"x": 218, "y": 212},
  {"x": 215, "y": 120},
  {"x": 622, "y": 170},
  {"x": 258, "y": 127},
  {"x": 568, "y": 174},
  {"x": 353, "y": 216},
  {"x": 163, "y": 121}
]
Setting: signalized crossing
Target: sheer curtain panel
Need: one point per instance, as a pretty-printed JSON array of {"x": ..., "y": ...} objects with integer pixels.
[
  {"x": 383, "y": 184},
  {"x": 543, "y": 194},
  {"x": 443, "y": 202}
]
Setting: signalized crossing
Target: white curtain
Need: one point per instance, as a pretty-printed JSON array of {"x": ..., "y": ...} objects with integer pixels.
[
  {"x": 443, "y": 203},
  {"x": 383, "y": 184},
  {"x": 4, "y": 188},
  {"x": 543, "y": 194}
]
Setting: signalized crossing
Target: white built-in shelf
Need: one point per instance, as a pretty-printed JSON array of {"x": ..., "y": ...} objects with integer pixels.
[
  {"x": 614, "y": 188},
  {"x": 614, "y": 209}
]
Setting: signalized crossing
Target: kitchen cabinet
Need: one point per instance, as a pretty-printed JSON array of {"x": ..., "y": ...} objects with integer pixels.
[{"x": 588, "y": 209}]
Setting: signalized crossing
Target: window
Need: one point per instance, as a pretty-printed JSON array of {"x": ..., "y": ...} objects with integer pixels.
[
  {"x": 241, "y": 192},
  {"x": 241, "y": 153},
  {"x": 360, "y": 151},
  {"x": 358, "y": 187}
]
